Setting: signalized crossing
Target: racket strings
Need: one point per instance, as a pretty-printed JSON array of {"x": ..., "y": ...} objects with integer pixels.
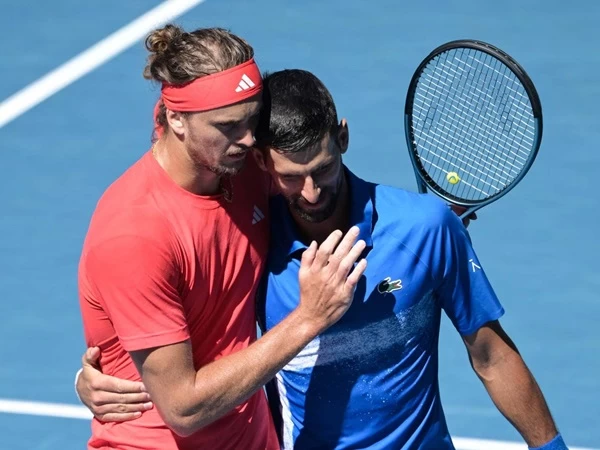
[
  {"x": 472, "y": 116},
  {"x": 481, "y": 156},
  {"x": 483, "y": 161}
]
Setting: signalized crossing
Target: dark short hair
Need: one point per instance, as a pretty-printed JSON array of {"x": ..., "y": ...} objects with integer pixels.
[{"x": 298, "y": 111}]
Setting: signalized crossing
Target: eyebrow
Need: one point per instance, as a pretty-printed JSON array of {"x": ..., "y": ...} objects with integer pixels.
[
  {"x": 316, "y": 169},
  {"x": 227, "y": 121},
  {"x": 236, "y": 120}
]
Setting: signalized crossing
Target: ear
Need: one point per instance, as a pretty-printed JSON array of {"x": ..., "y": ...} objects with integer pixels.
[
  {"x": 175, "y": 120},
  {"x": 259, "y": 156},
  {"x": 343, "y": 136}
]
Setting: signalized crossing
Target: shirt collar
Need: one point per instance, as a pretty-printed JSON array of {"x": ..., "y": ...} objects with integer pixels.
[{"x": 284, "y": 231}]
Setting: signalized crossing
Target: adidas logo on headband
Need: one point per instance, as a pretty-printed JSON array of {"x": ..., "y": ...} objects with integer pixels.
[
  {"x": 244, "y": 84},
  {"x": 214, "y": 90}
]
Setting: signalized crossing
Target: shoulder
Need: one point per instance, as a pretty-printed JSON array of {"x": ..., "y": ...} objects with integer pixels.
[
  {"x": 131, "y": 187},
  {"x": 127, "y": 221},
  {"x": 127, "y": 211},
  {"x": 131, "y": 250},
  {"x": 128, "y": 239},
  {"x": 404, "y": 209}
]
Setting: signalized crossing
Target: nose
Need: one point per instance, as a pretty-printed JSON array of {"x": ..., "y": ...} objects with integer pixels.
[
  {"x": 247, "y": 140},
  {"x": 310, "y": 191}
]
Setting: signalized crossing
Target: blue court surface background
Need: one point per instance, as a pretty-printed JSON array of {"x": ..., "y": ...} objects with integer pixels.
[{"x": 539, "y": 245}]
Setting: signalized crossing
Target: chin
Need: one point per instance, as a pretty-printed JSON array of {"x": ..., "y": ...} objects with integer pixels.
[
  {"x": 314, "y": 216},
  {"x": 229, "y": 169}
]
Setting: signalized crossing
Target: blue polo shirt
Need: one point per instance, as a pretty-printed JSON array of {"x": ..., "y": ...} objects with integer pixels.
[{"x": 371, "y": 380}]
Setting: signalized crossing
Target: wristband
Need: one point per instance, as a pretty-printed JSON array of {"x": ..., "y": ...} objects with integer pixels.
[
  {"x": 75, "y": 385},
  {"x": 555, "y": 444}
]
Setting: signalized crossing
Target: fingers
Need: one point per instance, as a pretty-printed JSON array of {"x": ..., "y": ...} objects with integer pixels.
[
  {"x": 308, "y": 256},
  {"x": 90, "y": 357},
  {"x": 345, "y": 246},
  {"x": 467, "y": 220},
  {"x": 349, "y": 259},
  {"x": 100, "y": 398},
  {"x": 99, "y": 382},
  {"x": 325, "y": 250},
  {"x": 120, "y": 412},
  {"x": 107, "y": 384},
  {"x": 458, "y": 210},
  {"x": 332, "y": 251},
  {"x": 129, "y": 387},
  {"x": 109, "y": 398},
  {"x": 121, "y": 408},
  {"x": 355, "y": 275},
  {"x": 118, "y": 417}
]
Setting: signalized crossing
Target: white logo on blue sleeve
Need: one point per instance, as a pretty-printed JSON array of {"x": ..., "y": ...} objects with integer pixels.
[{"x": 474, "y": 266}]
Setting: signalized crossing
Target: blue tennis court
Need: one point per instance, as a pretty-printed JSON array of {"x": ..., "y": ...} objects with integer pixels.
[{"x": 539, "y": 244}]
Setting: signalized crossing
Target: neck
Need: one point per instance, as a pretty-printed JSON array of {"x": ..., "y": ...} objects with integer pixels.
[
  {"x": 339, "y": 220},
  {"x": 170, "y": 154}
]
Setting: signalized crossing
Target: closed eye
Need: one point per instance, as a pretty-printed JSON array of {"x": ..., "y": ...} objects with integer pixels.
[
  {"x": 323, "y": 169},
  {"x": 227, "y": 125}
]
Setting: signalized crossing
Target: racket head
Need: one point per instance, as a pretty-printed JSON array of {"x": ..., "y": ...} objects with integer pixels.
[{"x": 471, "y": 109}]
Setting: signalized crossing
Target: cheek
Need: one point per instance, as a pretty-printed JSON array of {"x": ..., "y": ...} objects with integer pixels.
[
  {"x": 330, "y": 182},
  {"x": 210, "y": 142},
  {"x": 287, "y": 188}
]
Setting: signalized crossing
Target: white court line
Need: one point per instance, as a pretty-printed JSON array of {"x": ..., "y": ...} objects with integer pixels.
[
  {"x": 44, "y": 409},
  {"x": 90, "y": 59},
  {"x": 80, "y": 412},
  {"x": 486, "y": 444}
]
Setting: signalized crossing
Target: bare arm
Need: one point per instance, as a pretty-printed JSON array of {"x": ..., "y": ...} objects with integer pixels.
[
  {"x": 189, "y": 400},
  {"x": 510, "y": 384},
  {"x": 112, "y": 399}
]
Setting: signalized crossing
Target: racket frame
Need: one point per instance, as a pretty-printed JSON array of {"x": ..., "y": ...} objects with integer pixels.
[{"x": 424, "y": 181}]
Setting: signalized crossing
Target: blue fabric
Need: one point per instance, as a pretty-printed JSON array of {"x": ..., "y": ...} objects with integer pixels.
[
  {"x": 557, "y": 443},
  {"x": 371, "y": 380}
]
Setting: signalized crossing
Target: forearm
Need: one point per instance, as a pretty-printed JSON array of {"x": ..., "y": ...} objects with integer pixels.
[
  {"x": 223, "y": 384},
  {"x": 190, "y": 399},
  {"x": 518, "y": 397}
]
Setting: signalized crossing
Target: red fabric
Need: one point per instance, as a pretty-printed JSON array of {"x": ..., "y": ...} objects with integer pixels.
[
  {"x": 210, "y": 92},
  {"x": 161, "y": 265},
  {"x": 216, "y": 90}
]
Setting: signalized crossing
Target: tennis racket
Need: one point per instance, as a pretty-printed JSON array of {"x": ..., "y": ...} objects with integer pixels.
[{"x": 473, "y": 123}]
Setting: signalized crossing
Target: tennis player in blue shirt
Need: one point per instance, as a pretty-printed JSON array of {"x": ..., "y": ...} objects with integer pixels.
[{"x": 371, "y": 380}]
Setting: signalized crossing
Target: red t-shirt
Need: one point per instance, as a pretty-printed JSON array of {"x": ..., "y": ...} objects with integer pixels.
[{"x": 161, "y": 265}]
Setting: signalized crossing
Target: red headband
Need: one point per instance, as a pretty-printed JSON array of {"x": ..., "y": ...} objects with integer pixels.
[{"x": 216, "y": 90}]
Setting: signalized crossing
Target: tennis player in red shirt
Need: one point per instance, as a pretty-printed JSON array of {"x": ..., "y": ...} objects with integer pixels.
[{"x": 174, "y": 253}]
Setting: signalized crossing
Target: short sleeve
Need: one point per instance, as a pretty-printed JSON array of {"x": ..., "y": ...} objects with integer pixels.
[
  {"x": 464, "y": 289},
  {"x": 135, "y": 279}
]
